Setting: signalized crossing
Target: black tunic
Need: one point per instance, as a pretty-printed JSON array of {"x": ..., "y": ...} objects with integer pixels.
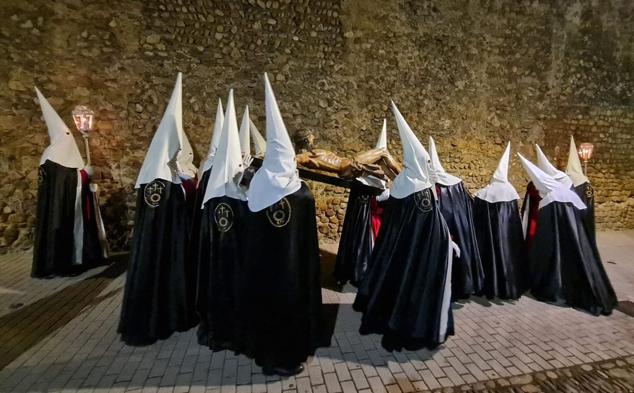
[
  {"x": 355, "y": 245},
  {"x": 565, "y": 265},
  {"x": 54, "y": 243},
  {"x": 501, "y": 245},
  {"x": 221, "y": 272},
  {"x": 405, "y": 295},
  {"x": 467, "y": 276},
  {"x": 282, "y": 307},
  {"x": 95, "y": 246},
  {"x": 586, "y": 193},
  {"x": 156, "y": 300}
]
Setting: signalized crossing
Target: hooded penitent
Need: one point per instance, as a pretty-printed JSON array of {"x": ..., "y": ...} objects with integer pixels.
[
  {"x": 281, "y": 300},
  {"x": 582, "y": 187},
  {"x": 549, "y": 169},
  {"x": 65, "y": 205},
  {"x": 499, "y": 233},
  {"x": 220, "y": 242},
  {"x": 206, "y": 163},
  {"x": 158, "y": 297},
  {"x": 204, "y": 170},
  {"x": 357, "y": 236},
  {"x": 245, "y": 133},
  {"x": 259, "y": 143},
  {"x": 565, "y": 267},
  {"x": 406, "y": 292},
  {"x": 456, "y": 206}
]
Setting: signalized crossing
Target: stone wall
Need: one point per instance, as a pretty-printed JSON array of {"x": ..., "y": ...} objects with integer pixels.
[{"x": 473, "y": 74}]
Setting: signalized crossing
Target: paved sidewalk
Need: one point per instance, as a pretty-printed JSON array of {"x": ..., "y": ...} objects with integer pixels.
[{"x": 59, "y": 335}]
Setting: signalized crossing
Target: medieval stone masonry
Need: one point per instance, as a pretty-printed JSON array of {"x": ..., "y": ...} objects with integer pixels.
[{"x": 473, "y": 74}]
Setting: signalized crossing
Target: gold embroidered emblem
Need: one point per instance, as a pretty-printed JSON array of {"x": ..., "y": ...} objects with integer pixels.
[
  {"x": 153, "y": 193},
  {"x": 279, "y": 214},
  {"x": 223, "y": 215},
  {"x": 423, "y": 200},
  {"x": 589, "y": 192},
  {"x": 41, "y": 176}
]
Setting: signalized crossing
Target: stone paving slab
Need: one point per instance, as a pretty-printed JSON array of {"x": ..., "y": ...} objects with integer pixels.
[{"x": 59, "y": 335}]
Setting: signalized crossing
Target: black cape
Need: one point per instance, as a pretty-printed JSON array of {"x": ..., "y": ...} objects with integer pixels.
[
  {"x": 282, "y": 306},
  {"x": 57, "y": 249},
  {"x": 198, "y": 234},
  {"x": 565, "y": 265},
  {"x": 405, "y": 295},
  {"x": 157, "y": 301},
  {"x": 586, "y": 193},
  {"x": 221, "y": 272},
  {"x": 467, "y": 276},
  {"x": 501, "y": 245},
  {"x": 355, "y": 245},
  {"x": 95, "y": 245}
]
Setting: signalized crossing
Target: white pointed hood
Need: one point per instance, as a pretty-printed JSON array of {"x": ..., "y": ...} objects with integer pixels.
[
  {"x": 550, "y": 189},
  {"x": 415, "y": 174},
  {"x": 258, "y": 140},
  {"x": 245, "y": 134},
  {"x": 573, "y": 169},
  {"x": 215, "y": 139},
  {"x": 438, "y": 173},
  {"x": 548, "y": 168},
  {"x": 278, "y": 176},
  {"x": 62, "y": 149},
  {"x": 227, "y": 163},
  {"x": 500, "y": 189},
  {"x": 381, "y": 143},
  {"x": 166, "y": 143},
  {"x": 185, "y": 158}
]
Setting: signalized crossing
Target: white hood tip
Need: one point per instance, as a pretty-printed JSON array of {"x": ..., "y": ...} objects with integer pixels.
[
  {"x": 62, "y": 149},
  {"x": 227, "y": 161},
  {"x": 573, "y": 168},
  {"x": 166, "y": 143},
  {"x": 215, "y": 139},
  {"x": 548, "y": 168},
  {"x": 381, "y": 143},
  {"x": 439, "y": 175},
  {"x": 550, "y": 189},
  {"x": 258, "y": 140},
  {"x": 500, "y": 189},
  {"x": 415, "y": 175},
  {"x": 278, "y": 176},
  {"x": 245, "y": 132}
]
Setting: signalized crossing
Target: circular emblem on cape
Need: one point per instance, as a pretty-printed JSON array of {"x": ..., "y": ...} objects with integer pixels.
[
  {"x": 363, "y": 198},
  {"x": 423, "y": 200},
  {"x": 589, "y": 192},
  {"x": 279, "y": 214},
  {"x": 223, "y": 215},
  {"x": 41, "y": 176},
  {"x": 153, "y": 193}
]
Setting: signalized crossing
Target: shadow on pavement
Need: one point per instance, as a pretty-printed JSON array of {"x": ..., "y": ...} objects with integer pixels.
[{"x": 27, "y": 326}]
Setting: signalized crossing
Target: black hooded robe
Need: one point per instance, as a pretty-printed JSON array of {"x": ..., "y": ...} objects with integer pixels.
[
  {"x": 501, "y": 246},
  {"x": 157, "y": 301},
  {"x": 565, "y": 265},
  {"x": 57, "y": 249},
  {"x": 586, "y": 193},
  {"x": 356, "y": 243},
  {"x": 220, "y": 272},
  {"x": 282, "y": 306},
  {"x": 456, "y": 207},
  {"x": 405, "y": 295}
]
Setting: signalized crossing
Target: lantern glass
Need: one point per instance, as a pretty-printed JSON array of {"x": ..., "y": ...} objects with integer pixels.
[
  {"x": 83, "y": 117},
  {"x": 585, "y": 151}
]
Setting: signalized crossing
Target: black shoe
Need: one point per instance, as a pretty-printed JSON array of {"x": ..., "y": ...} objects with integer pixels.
[{"x": 283, "y": 371}]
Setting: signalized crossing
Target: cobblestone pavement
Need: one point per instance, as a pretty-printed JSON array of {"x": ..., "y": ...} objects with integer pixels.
[{"x": 59, "y": 335}]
